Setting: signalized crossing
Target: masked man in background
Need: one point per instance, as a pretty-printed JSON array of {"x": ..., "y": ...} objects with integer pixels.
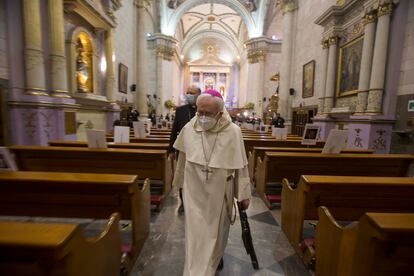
[{"x": 183, "y": 115}]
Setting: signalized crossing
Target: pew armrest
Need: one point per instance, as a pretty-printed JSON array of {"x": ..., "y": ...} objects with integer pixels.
[
  {"x": 334, "y": 245},
  {"x": 293, "y": 213}
]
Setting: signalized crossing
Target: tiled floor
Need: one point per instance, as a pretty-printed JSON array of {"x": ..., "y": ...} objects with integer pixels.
[{"x": 163, "y": 253}]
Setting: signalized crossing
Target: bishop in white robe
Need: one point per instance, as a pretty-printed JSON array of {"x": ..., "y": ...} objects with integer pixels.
[{"x": 212, "y": 170}]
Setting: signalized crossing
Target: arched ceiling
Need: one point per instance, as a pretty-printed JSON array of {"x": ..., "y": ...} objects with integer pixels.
[
  {"x": 213, "y": 24},
  {"x": 211, "y": 17}
]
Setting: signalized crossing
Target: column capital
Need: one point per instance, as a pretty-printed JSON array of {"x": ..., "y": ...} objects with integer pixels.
[
  {"x": 385, "y": 8},
  {"x": 333, "y": 40},
  {"x": 288, "y": 5},
  {"x": 325, "y": 43},
  {"x": 164, "y": 45},
  {"x": 370, "y": 17},
  {"x": 257, "y": 49},
  {"x": 142, "y": 4}
]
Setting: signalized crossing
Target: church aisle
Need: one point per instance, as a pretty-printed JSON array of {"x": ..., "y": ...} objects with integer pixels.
[{"x": 163, "y": 253}]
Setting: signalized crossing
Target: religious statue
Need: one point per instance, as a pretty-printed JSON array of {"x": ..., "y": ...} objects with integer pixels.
[{"x": 82, "y": 74}]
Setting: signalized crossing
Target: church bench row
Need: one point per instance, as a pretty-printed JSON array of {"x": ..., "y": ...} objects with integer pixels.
[
  {"x": 143, "y": 140},
  {"x": 291, "y": 165},
  {"x": 250, "y": 143},
  {"x": 80, "y": 195},
  {"x": 39, "y": 249},
  {"x": 347, "y": 197},
  {"x": 146, "y": 163},
  {"x": 258, "y": 153},
  {"x": 379, "y": 244},
  {"x": 111, "y": 145}
]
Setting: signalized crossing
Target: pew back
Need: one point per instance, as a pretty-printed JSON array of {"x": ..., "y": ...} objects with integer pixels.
[
  {"x": 348, "y": 198},
  {"x": 59, "y": 249}
]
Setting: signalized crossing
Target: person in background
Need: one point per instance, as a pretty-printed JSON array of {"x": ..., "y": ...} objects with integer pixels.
[
  {"x": 183, "y": 115},
  {"x": 278, "y": 122}
]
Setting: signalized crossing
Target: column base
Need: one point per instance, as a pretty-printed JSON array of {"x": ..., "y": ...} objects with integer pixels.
[
  {"x": 36, "y": 92},
  {"x": 60, "y": 94}
]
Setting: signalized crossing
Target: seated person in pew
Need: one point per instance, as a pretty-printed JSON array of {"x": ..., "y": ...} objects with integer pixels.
[{"x": 212, "y": 170}]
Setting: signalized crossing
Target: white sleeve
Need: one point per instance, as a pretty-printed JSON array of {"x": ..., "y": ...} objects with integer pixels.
[
  {"x": 242, "y": 184},
  {"x": 179, "y": 171}
]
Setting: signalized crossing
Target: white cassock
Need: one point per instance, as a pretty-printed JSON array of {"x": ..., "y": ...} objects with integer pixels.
[{"x": 208, "y": 200}]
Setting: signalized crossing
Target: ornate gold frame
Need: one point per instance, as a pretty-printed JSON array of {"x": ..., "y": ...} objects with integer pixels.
[{"x": 338, "y": 78}]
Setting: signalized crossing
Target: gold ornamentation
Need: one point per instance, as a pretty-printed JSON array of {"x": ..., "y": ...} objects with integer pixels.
[
  {"x": 333, "y": 40},
  {"x": 142, "y": 3},
  {"x": 325, "y": 44},
  {"x": 370, "y": 17},
  {"x": 84, "y": 72},
  {"x": 165, "y": 52},
  {"x": 254, "y": 56},
  {"x": 385, "y": 8},
  {"x": 340, "y": 2}
]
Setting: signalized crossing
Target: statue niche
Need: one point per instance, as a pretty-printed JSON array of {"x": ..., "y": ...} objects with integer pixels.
[{"x": 84, "y": 65}]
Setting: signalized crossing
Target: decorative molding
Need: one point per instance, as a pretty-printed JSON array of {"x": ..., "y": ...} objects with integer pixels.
[
  {"x": 257, "y": 48},
  {"x": 325, "y": 43},
  {"x": 142, "y": 4},
  {"x": 358, "y": 140},
  {"x": 385, "y": 8},
  {"x": 164, "y": 46},
  {"x": 380, "y": 143},
  {"x": 370, "y": 17},
  {"x": 333, "y": 40},
  {"x": 288, "y": 5}
]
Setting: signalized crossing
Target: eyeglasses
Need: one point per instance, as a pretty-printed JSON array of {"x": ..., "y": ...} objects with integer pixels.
[{"x": 207, "y": 114}]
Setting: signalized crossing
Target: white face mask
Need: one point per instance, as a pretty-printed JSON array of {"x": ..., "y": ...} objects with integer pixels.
[{"x": 206, "y": 123}]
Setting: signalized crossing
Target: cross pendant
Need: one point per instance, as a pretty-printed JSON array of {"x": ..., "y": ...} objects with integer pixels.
[{"x": 207, "y": 171}]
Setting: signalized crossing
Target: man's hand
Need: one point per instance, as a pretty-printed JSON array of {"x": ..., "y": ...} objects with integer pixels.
[
  {"x": 245, "y": 203},
  {"x": 171, "y": 155}
]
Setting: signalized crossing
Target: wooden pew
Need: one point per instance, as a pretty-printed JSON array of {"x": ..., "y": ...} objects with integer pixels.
[
  {"x": 59, "y": 249},
  {"x": 153, "y": 164},
  {"x": 380, "y": 244},
  {"x": 79, "y": 195},
  {"x": 110, "y": 145},
  {"x": 250, "y": 143},
  {"x": 259, "y": 152},
  {"x": 143, "y": 140},
  {"x": 347, "y": 197},
  {"x": 291, "y": 165}
]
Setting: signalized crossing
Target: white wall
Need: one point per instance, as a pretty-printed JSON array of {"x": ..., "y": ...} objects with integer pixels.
[
  {"x": 307, "y": 47},
  {"x": 406, "y": 85},
  {"x": 125, "y": 45},
  {"x": 242, "y": 93},
  {"x": 4, "y": 67}
]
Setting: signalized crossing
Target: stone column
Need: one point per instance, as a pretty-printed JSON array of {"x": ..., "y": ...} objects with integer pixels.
[
  {"x": 110, "y": 87},
  {"x": 59, "y": 82},
  {"x": 366, "y": 62},
  {"x": 330, "y": 75},
  {"x": 33, "y": 54},
  {"x": 285, "y": 67},
  {"x": 376, "y": 87},
  {"x": 324, "y": 65},
  {"x": 142, "y": 65},
  {"x": 256, "y": 55}
]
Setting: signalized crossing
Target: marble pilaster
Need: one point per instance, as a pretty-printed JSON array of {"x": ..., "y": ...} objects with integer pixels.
[
  {"x": 324, "y": 66},
  {"x": 110, "y": 87},
  {"x": 59, "y": 82},
  {"x": 366, "y": 62},
  {"x": 33, "y": 53},
  {"x": 285, "y": 79},
  {"x": 376, "y": 88},
  {"x": 330, "y": 75},
  {"x": 142, "y": 66}
]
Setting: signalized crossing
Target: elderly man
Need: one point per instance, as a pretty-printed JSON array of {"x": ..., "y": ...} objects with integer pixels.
[
  {"x": 183, "y": 115},
  {"x": 212, "y": 170}
]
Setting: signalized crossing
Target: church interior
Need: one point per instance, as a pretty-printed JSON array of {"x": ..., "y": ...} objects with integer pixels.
[{"x": 335, "y": 67}]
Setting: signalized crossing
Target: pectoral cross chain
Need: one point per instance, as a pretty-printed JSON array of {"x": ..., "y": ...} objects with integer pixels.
[{"x": 207, "y": 171}]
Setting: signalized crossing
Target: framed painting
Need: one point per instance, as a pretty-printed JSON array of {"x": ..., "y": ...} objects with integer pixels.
[
  {"x": 123, "y": 78},
  {"x": 308, "y": 79},
  {"x": 349, "y": 66}
]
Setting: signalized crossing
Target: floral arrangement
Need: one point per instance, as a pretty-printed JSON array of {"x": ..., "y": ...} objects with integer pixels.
[
  {"x": 169, "y": 104},
  {"x": 249, "y": 106}
]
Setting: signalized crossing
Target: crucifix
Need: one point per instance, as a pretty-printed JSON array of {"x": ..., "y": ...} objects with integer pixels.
[{"x": 207, "y": 171}]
